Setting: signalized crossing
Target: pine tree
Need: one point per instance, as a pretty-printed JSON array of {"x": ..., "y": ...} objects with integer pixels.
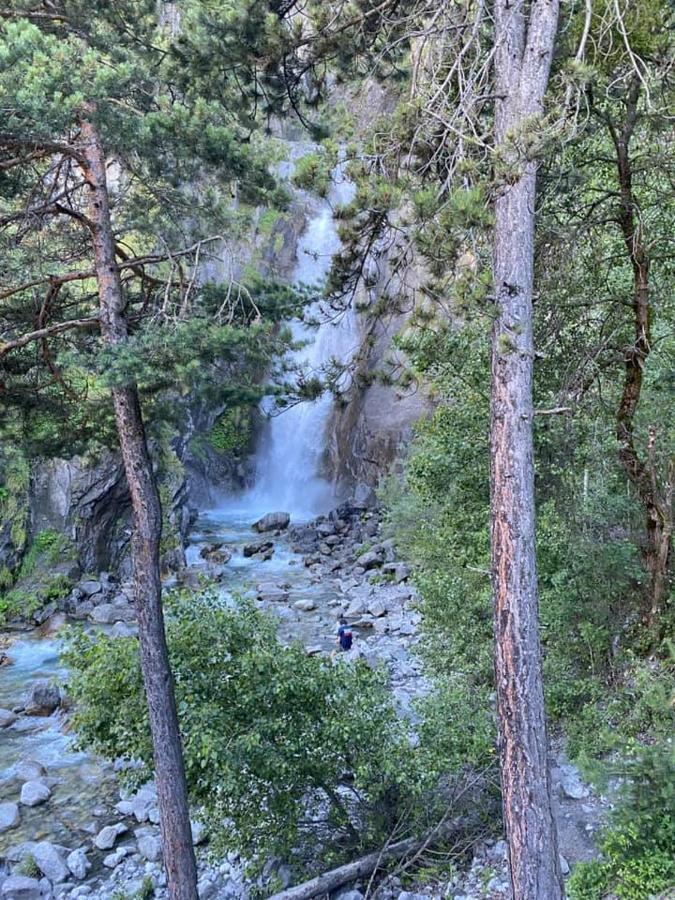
[{"x": 108, "y": 137}]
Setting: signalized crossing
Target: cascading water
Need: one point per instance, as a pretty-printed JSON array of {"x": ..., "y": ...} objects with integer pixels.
[{"x": 291, "y": 453}]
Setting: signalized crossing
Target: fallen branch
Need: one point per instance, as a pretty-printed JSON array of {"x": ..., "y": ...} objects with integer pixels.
[
  {"x": 555, "y": 411},
  {"x": 330, "y": 881}
]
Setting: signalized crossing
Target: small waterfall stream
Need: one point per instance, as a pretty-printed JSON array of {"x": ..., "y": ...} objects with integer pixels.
[{"x": 290, "y": 458}]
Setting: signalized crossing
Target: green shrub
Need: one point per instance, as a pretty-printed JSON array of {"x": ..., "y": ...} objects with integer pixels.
[
  {"x": 264, "y": 727},
  {"x": 29, "y": 867},
  {"x": 232, "y": 430},
  {"x": 48, "y": 548},
  {"x": 638, "y": 847}
]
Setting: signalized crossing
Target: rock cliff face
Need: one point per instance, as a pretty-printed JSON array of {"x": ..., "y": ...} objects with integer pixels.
[
  {"x": 89, "y": 503},
  {"x": 369, "y": 431}
]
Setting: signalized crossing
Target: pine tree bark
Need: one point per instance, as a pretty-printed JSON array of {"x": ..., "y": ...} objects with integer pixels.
[
  {"x": 179, "y": 858},
  {"x": 524, "y": 48},
  {"x": 655, "y": 493}
]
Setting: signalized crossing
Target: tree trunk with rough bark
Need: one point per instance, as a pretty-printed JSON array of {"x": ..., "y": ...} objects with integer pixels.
[
  {"x": 654, "y": 492},
  {"x": 179, "y": 858},
  {"x": 524, "y": 48}
]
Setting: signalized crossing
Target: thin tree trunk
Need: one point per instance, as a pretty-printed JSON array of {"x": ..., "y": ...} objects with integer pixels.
[
  {"x": 522, "y": 63},
  {"x": 179, "y": 858},
  {"x": 656, "y": 498}
]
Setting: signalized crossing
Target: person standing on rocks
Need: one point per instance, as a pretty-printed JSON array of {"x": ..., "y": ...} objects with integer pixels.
[{"x": 344, "y": 636}]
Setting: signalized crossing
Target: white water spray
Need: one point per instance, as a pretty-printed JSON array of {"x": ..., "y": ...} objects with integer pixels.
[{"x": 290, "y": 458}]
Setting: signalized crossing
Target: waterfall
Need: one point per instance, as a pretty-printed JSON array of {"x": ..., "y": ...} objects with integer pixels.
[{"x": 289, "y": 460}]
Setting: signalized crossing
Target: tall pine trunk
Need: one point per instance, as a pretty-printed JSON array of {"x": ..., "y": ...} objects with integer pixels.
[
  {"x": 522, "y": 62},
  {"x": 179, "y": 858}
]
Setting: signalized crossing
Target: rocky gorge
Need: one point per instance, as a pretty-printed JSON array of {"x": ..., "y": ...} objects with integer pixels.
[{"x": 307, "y": 575}]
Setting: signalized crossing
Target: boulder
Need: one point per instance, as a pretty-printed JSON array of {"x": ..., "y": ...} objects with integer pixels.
[
  {"x": 41, "y": 615},
  {"x": 9, "y": 816},
  {"x": 21, "y": 887},
  {"x": 42, "y": 699},
  {"x": 78, "y": 864},
  {"x": 216, "y": 553},
  {"x": 272, "y": 593},
  {"x": 376, "y": 608},
  {"x": 199, "y": 834},
  {"x": 50, "y": 862},
  {"x": 105, "y": 614},
  {"x": 7, "y": 718},
  {"x": 29, "y": 770},
  {"x": 304, "y": 605},
  {"x": 372, "y": 559},
  {"x": 260, "y": 548},
  {"x": 274, "y": 521},
  {"x": 364, "y": 497},
  {"x": 105, "y": 839},
  {"x": 34, "y": 793},
  {"x": 572, "y": 787},
  {"x": 90, "y": 588},
  {"x": 112, "y": 860},
  {"x": 149, "y": 844},
  {"x": 355, "y": 608},
  {"x": 141, "y": 807}
]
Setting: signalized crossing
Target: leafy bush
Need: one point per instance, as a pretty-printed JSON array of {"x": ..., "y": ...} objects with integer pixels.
[
  {"x": 47, "y": 549},
  {"x": 232, "y": 430},
  {"x": 317, "y": 744},
  {"x": 638, "y": 847}
]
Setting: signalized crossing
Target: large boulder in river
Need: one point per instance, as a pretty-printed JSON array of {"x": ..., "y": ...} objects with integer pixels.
[
  {"x": 78, "y": 864},
  {"x": 34, "y": 793},
  {"x": 9, "y": 816},
  {"x": 43, "y": 698},
  {"x": 264, "y": 549},
  {"x": 50, "y": 861},
  {"x": 274, "y": 521},
  {"x": 7, "y": 718},
  {"x": 21, "y": 887},
  {"x": 216, "y": 553}
]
